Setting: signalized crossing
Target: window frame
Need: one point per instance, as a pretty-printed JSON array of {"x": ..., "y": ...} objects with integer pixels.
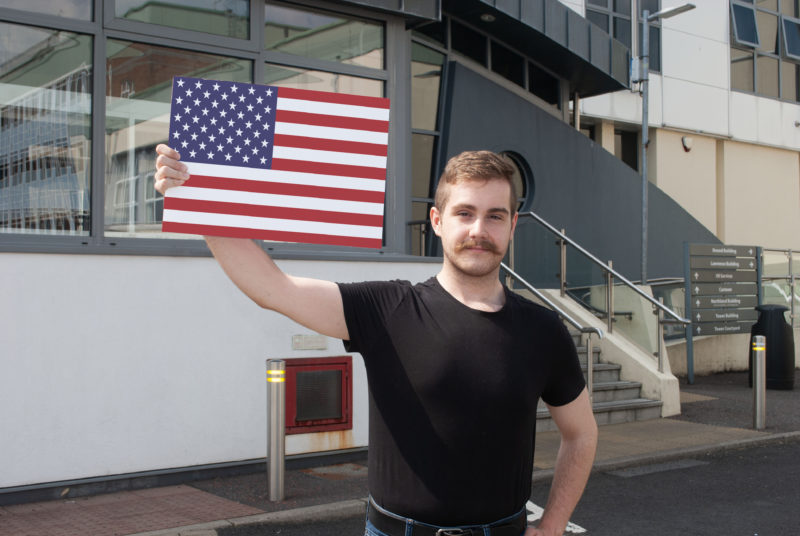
[
  {"x": 786, "y": 54},
  {"x": 105, "y": 26},
  {"x": 734, "y": 27},
  {"x": 313, "y": 364}
]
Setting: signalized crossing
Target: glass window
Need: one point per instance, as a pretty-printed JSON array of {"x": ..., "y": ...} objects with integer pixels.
[
  {"x": 138, "y": 91},
  {"x": 791, "y": 38},
  {"x": 508, "y": 64},
  {"x": 742, "y": 70},
  {"x": 230, "y": 18},
  {"x": 468, "y": 42},
  {"x": 433, "y": 30},
  {"x": 745, "y": 30},
  {"x": 789, "y": 81},
  {"x": 323, "y": 36},
  {"x": 767, "y": 32},
  {"x": 426, "y": 78},
  {"x": 767, "y": 83},
  {"x": 422, "y": 146},
  {"x": 281, "y": 75},
  {"x": 75, "y": 9},
  {"x": 45, "y": 130},
  {"x": 598, "y": 19},
  {"x": 544, "y": 85}
]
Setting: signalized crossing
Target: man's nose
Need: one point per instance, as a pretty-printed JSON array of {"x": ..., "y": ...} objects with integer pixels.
[{"x": 478, "y": 228}]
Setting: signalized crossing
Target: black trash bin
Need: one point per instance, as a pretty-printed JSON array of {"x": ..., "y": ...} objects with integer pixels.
[{"x": 772, "y": 324}]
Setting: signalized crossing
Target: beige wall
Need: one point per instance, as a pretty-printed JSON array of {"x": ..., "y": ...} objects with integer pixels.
[
  {"x": 689, "y": 177},
  {"x": 758, "y": 195}
]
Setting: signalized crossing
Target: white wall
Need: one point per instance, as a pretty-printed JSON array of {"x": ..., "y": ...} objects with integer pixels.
[{"x": 117, "y": 364}]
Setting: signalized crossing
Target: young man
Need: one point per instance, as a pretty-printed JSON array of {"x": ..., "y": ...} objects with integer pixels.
[{"x": 456, "y": 366}]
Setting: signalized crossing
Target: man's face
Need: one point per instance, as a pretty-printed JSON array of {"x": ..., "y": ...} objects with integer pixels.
[{"x": 475, "y": 225}]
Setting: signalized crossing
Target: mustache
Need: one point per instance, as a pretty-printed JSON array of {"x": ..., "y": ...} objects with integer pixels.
[{"x": 483, "y": 244}]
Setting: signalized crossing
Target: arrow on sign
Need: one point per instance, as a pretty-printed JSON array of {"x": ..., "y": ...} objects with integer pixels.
[
  {"x": 697, "y": 290},
  {"x": 696, "y": 275},
  {"x": 698, "y": 317},
  {"x": 697, "y": 303},
  {"x": 751, "y": 264}
]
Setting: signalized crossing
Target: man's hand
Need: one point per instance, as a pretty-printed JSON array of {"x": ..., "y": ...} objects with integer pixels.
[{"x": 170, "y": 171}]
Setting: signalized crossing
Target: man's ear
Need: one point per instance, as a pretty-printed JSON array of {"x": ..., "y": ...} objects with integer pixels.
[
  {"x": 514, "y": 224},
  {"x": 436, "y": 220}
]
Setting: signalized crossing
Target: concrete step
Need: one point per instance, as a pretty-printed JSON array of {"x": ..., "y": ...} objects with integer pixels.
[
  {"x": 615, "y": 391},
  {"x": 637, "y": 409},
  {"x": 582, "y": 354},
  {"x": 603, "y": 372}
]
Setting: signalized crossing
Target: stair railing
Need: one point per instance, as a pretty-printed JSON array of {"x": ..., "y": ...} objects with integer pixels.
[
  {"x": 610, "y": 278},
  {"x": 588, "y": 331}
]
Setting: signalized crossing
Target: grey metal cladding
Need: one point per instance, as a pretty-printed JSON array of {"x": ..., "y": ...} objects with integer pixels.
[{"x": 422, "y": 9}]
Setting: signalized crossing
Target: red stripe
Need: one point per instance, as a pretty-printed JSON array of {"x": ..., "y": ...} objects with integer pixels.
[
  {"x": 279, "y": 236},
  {"x": 263, "y": 211},
  {"x": 343, "y": 170},
  {"x": 323, "y": 120},
  {"x": 324, "y": 144},
  {"x": 280, "y": 188},
  {"x": 337, "y": 98}
]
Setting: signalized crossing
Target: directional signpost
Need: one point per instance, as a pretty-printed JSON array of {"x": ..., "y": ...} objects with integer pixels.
[{"x": 722, "y": 286}]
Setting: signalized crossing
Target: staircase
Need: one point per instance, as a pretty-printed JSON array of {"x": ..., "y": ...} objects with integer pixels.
[{"x": 614, "y": 401}]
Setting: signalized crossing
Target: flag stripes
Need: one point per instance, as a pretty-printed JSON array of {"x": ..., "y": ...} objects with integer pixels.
[{"x": 305, "y": 166}]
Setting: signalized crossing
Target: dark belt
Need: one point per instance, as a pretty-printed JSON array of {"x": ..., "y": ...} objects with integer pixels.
[{"x": 393, "y": 526}]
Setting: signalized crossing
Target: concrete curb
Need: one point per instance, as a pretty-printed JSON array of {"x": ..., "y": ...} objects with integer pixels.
[{"x": 344, "y": 509}]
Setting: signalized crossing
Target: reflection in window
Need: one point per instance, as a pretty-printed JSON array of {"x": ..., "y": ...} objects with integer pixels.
[
  {"x": 323, "y": 36},
  {"x": 544, "y": 85},
  {"x": 230, "y": 18},
  {"x": 280, "y": 75},
  {"x": 45, "y": 130},
  {"x": 74, "y": 9},
  {"x": 138, "y": 90},
  {"x": 468, "y": 42},
  {"x": 508, "y": 64},
  {"x": 745, "y": 31},
  {"x": 426, "y": 78},
  {"x": 791, "y": 38}
]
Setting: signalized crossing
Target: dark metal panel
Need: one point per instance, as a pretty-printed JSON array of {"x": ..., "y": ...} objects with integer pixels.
[
  {"x": 555, "y": 22},
  {"x": 600, "y": 48},
  {"x": 532, "y": 14},
  {"x": 578, "y": 34},
  {"x": 509, "y": 7},
  {"x": 423, "y": 9}
]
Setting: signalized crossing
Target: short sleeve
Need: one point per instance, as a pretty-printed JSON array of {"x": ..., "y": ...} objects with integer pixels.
[
  {"x": 565, "y": 381},
  {"x": 366, "y": 308}
]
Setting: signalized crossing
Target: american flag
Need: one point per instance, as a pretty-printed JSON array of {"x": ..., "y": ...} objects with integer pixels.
[{"x": 276, "y": 163}]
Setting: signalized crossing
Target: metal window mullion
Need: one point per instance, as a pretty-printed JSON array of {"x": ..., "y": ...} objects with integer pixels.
[
  {"x": 48, "y": 21},
  {"x": 290, "y": 60},
  {"x": 97, "y": 166}
]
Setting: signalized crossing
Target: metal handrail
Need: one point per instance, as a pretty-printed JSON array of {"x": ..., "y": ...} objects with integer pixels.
[
  {"x": 607, "y": 268},
  {"x": 577, "y": 325},
  {"x": 550, "y": 303}
]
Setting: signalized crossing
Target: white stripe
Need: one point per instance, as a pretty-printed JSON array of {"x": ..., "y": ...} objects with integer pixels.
[
  {"x": 332, "y": 133},
  {"x": 273, "y": 200},
  {"x": 328, "y": 157},
  {"x": 286, "y": 177},
  {"x": 332, "y": 108},
  {"x": 271, "y": 224}
]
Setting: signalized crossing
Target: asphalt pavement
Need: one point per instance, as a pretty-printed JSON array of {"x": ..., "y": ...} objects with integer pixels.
[{"x": 717, "y": 416}]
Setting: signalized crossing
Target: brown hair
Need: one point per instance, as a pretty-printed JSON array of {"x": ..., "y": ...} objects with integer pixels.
[{"x": 475, "y": 165}]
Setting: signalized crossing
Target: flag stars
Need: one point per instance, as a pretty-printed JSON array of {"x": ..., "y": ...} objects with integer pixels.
[
  {"x": 177, "y": 117},
  {"x": 234, "y": 88},
  {"x": 247, "y": 141},
  {"x": 258, "y": 117},
  {"x": 231, "y": 122},
  {"x": 248, "y": 124},
  {"x": 221, "y": 130},
  {"x": 202, "y": 145},
  {"x": 259, "y": 100},
  {"x": 210, "y": 156},
  {"x": 185, "y": 126},
  {"x": 216, "y": 86},
  {"x": 264, "y": 143},
  {"x": 255, "y": 133},
  {"x": 239, "y": 132},
  {"x": 229, "y": 140},
  {"x": 198, "y": 84},
  {"x": 212, "y": 138},
  {"x": 192, "y": 153},
  {"x": 213, "y": 121},
  {"x": 241, "y": 98},
  {"x": 219, "y": 148},
  {"x": 179, "y": 100},
  {"x": 187, "y": 110},
  {"x": 195, "y": 119},
  {"x": 205, "y": 111},
  {"x": 184, "y": 144},
  {"x": 263, "y": 160},
  {"x": 240, "y": 115},
  {"x": 203, "y": 129},
  {"x": 249, "y": 107},
  {"x": 269, "y": 92},
  {"x": 228, "y": 157},
  {"x": 189, "y": 92},
  {"x": 194, "y": 136},
  {"x": 251, "y": 90},
  {"x": 176, "y": 134},
  {"x": 214, "y": 104},
  {"x": 255, "y": 150},
  {"x": 180, "y": 83},
  {"x": 206, "y": 94},
  {"x": 268, "y": 109},
  {"x": 246, "y": 159},
  {"x": 197, "y": 102},
  {"x": 266, "y": 126},
  {"x": 224, "y": 96},
  {"x": 237, "y": 149}
]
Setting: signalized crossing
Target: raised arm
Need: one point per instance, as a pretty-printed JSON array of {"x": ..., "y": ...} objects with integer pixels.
[
  {"x": 575, "y": 422},
  {"x": 314, "y": 303}
]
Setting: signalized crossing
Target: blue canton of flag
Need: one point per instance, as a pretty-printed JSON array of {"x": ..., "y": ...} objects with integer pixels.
[{"x": 227, "y": 123}]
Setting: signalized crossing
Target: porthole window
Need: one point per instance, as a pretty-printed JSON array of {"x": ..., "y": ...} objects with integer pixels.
[{"x": 522, "y": 179}]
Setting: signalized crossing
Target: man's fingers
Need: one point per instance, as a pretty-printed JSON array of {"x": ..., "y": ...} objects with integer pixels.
[{"x": 166, "y": 150}]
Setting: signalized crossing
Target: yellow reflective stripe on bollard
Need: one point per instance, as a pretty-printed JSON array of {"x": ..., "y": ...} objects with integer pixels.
[
  {"x": 759, "y": 348},
  {"x": 276, "y": 380},
  {"x": 276, "y": 376}
]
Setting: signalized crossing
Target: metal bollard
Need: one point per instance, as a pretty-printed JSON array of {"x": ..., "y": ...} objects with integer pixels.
[
  {"x": 276, "y": 427},
  {"x": 759, "y": 381}
]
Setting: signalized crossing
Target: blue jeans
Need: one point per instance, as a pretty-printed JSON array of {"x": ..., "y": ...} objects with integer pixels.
[{"x": 372, "y": 531}]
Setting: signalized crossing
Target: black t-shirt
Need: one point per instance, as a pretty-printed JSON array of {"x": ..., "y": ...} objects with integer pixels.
[{"x": 453, "y": 395}]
